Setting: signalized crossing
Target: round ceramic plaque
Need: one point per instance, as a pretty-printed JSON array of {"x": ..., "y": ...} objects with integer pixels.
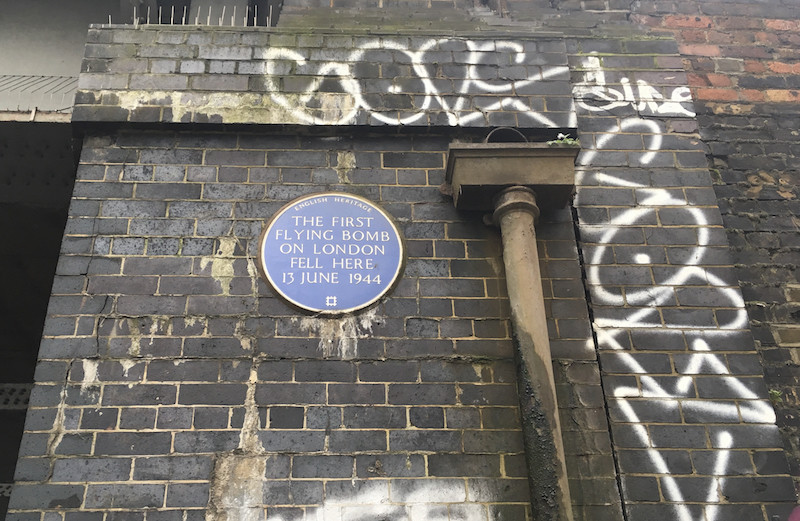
[{"x": 331, "y": 253}]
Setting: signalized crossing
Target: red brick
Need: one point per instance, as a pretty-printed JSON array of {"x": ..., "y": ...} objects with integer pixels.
[
  {"x": 738, "y": 22},
  {"x": 744, "y": 38},
  {"x": 710, "y": 79},
  {"x": 754, "y": 66},
  {"x": 751, "y": 95},
  {"x": 717, "y": 94},
  {"x": 781, "y": 95},
  {"x": 718, "y": 37},
  {"x": 782, "y": 25},
  {"x": 780, "y": 67},
  {"x": 693, "y": 36},
  {"x": 700, "y": 50},
  {"x": 687, "y": 21},
  {"x": 698, "y": 80},
  {"x": 719, "y": 80},
  {"x": 768, "y": 38}
]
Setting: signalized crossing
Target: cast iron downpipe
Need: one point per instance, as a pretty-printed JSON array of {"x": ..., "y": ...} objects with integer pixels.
[
  {"x": 515, "y": 211},
  {"x": 506, "y": 179}
]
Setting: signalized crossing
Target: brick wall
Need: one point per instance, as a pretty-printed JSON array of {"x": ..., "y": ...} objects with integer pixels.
[
  {"x": 159, "y": 322},
  {"x": 742, "y": 59},
  {"x": 742, "y": 63},
  {"x": 291, "y": 77},
  {"x": 168, "y": 369},
  {"x": 664, "y": 297}
]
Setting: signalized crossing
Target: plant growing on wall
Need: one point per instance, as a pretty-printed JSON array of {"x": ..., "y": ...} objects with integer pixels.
[{"x": 564, "y": 140}]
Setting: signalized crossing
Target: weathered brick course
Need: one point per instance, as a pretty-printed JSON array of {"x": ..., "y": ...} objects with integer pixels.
[{"x": 424, "y": 388}]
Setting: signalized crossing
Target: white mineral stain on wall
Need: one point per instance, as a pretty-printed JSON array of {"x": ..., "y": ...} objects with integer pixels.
[
  {"x": 345, "y": 163},
  {"x": 339, "y": 336},
  {"x": 136, "y": 337},
  {"x": 240, "y": 333},
  {"x": 237, "y": 488},
  {"x": 89, "y": 375},
  {"x": 222, "y": 261},
  {"x": 126, "y": 364},
  {"x": 57, "y": 432}
]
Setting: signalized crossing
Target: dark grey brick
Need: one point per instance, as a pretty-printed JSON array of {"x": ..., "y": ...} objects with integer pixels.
[
  {"x": 390, "y": 465},
  {"x": 91, "y": 469},
  {"x": 211, "y": 417},
  {"x": 171, "y": 157},
  {"x": 425, "y": 441},
  {"x": 187, "y": 494},
  {"x": 292, "y": 441},
  {"x": 322, "y": 466},
  {"x": 206, "y": 441},
  {"x": 32, "y": 469},
  {"x": 421, "y": 394},
  {"x": 292, "y": 492},
  {"x": 42, "y": 496},
  {"x": 104, "y": 418},
  {"x": 212, "y": 394},
  {"x": 758, "y": 489},
  {"x": 375, "y": 417},
  {"x": 167, "y": 467},
  {"x": 124, "y": 496},
  {"x": 168, "y": 191},
  {"x": 141, "y": 394},
  {"x": 174, "y": 418},
  {"x": 122, "y": 443},
  {"x": 324, "y": 371},
  {"x": 640, "y": 461},
  {"x": 290, "y": 394},
  {"x": 388, "y": 371},
  {"x": 483, "y": 441},
  {"x": 351, "y": 442},
  {"x": 286, "y": 417},
  {"x": 356, "y": 394},
  {"x": 426, "y": 417}
]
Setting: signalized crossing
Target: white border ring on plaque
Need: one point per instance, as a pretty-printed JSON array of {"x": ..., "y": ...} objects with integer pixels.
[{"x": 331, "y": 253}]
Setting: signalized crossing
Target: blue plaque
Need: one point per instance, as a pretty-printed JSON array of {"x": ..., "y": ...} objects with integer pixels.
[{"x": 331, "y": 253}]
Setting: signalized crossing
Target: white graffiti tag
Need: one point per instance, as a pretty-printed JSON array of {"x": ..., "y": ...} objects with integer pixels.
[
  {"x": 414, "y": 87},
  {"x": 595, "y": 95},
  {"x": 426, "y": 499},
  {"x": 454, "y": 104},
  {"x": 626, "y": 312}
]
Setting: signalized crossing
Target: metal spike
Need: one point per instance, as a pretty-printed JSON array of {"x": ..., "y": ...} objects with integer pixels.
[
  {"x": 255, "y": 15},
  {"x": 269, "y": 17},
  {"x": 233, "y": 16},
  {"x": 159, "y": 14},
  {"x": 135, "y": 19},
  {"x": 208, "y": 21},
  {"x": 148, "y": 15},
  {"x": 109, "y": 19},
  {"x": 172, "y": 16},
  {"x": 183, "y": 21},
  {"x": 222, "y": 18},
  {"x": 246, "y": 15}
]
